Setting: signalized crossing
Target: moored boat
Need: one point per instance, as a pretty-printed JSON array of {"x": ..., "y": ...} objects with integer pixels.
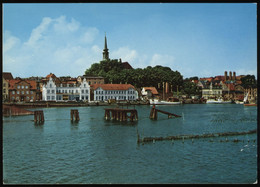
[
  {"x": 157, "y": 102},
  {"x": 219, "y": 101}
]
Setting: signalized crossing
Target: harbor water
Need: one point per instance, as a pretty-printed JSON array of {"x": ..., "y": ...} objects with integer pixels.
[{"x": 97, "y": 151}]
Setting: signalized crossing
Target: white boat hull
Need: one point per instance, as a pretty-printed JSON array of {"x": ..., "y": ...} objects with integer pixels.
[
  {"x": 156, "y": 102},
  {"x": 218, "y": 102}
]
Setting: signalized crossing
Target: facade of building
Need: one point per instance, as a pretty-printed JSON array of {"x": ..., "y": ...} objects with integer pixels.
[
  {"x": 69, "y": 91},
  {"x": 21, "y": 90},
  {"x": 120, "y": 92},
  {"x": 91, "y": 79},
  {"x": 149, "y": 92},
  {"x": 6, "y": 76},
  {"x": 212, "y": 92}
]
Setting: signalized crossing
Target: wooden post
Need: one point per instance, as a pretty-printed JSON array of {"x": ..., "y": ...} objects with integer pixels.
[{"x": 71, "y": 115}]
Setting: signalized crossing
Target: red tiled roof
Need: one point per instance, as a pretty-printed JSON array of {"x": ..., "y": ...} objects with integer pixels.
[
  {"x": 126, "y": 65},
  {"x": 153, "y": 90},
  {"x": 7, "y": 76},
  {"x": 112, "y": 86},
  {"x": 51, "y": 75},
  {"x": 17, "y": 81}
]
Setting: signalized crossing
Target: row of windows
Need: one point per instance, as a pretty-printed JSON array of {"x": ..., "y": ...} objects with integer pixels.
[
  {"x": 22, "y": 92},
  {"x": 114, "y": 92},
  {"x": 67, "y": 91},
  {"x": 101, "y": 98},
  {"x": 22, "y": 87},
  {"x": 210, "y": 92},
  {"x": 18, "y": 98},
  {"x": 68, "y": 85},
  {"x": 59, "y": 98}
]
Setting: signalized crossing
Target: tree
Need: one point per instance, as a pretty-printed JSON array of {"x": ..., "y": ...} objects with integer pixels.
[{"x": 249, "y": 81}]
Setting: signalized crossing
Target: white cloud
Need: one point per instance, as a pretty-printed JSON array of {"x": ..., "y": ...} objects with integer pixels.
[
  {"x": 163, "y": 60},
  {"x": 125, "y": 54},
  {"x": 59, "y": 45}
]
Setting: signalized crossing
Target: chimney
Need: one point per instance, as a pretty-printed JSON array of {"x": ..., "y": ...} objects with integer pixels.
[
  {"x": 234, "y": 75},
  {"x": 225, "y": 75},
  {"x": 230, "y": 75}
]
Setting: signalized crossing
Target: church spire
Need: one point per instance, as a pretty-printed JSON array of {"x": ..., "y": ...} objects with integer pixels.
[{"x": 105, "y": 50}]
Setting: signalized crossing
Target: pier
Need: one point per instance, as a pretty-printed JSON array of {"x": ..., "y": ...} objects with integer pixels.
[
  {"x": 154, "y": 113},
  {"x": 182, "y": 137},
  {"x": 12, "y": 110},
  {"x": 38, "y": 116},
  {"x": 120, "y": 114}
]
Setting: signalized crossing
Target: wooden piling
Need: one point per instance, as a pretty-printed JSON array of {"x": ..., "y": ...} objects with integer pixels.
[
  {"x": 38, "y": 116},
  {"x": 74, "y": 114},
  {"x": 120, "y": 114},
  {"x": 154, "y": 113}
]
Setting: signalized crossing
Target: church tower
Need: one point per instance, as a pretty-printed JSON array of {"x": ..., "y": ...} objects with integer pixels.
[{"x": 105, "y": 51}]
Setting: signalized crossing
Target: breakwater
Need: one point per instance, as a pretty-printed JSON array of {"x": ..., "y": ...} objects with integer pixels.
[
  {"x": 183, "y": 137},
  {"x": 13, "y": 110}
]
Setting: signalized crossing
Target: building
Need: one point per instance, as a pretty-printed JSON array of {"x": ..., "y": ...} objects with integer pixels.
[
  {"x": 6, "y": 76},
  {"x": 91, "y": 79},
  {"x": 212, "y": 92},
  {"x": 149, "y": 92},
  {"x": 22, "y": 90},
  {"x": 66, "y": 91},
  {"x": 121, "y": 92}
]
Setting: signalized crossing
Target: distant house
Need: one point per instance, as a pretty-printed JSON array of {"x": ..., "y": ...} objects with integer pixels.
[
  {"x": 149, "y": 92},
  {"x": 5, "y": 85},
  {"x": 104, "y": 92},
  {"x": 212, "y": 91},
  {"x": 66, "y": 91},
  {"x": 91, "y": 79},
  {"x": 22, "y": 90}
]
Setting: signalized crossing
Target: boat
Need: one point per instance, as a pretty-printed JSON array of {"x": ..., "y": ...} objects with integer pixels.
[
  {"x": 219, "y": 101},
  {"x": 250, "y": 104},
  {"x": 157, "y": 102},
  {"x": 239, "y": 102}
]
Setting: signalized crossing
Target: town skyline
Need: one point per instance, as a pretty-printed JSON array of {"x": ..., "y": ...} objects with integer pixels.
[{"x": 183, "y": 37}]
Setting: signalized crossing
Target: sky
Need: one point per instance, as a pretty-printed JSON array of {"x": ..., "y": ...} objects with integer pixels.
[{"x": 196, "y": 39}]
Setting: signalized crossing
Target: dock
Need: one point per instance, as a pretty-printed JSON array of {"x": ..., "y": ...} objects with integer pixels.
[
  {"x": 154, "y": 113},
  {"x": 121, "y": 114}
]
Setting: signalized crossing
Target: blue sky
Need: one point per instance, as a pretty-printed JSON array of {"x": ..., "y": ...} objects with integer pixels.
[{"x": 195, "y": 39}]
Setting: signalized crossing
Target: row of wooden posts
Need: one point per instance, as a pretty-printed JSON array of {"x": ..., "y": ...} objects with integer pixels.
[
  {"x": 118, "y": 114},
  {"x": 39, "y": 116},
  {"x": 121, "y": 114}
]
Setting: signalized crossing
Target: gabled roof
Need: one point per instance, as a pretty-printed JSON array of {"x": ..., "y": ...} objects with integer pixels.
[
  {"x": 112, "y": 86},
  {"x": 14, "y": 82},
  {"x": 7, "y": 76},
  {"x": 153, "y": 90},
  {"x": 126, "y": 65}
]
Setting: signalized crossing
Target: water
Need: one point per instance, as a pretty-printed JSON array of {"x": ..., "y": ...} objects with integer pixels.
[{"x": 98, "y": 151}]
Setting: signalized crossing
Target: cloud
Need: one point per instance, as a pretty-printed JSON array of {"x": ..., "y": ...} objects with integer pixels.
[
  {"x": 58, "y": 45},
  {"x": 163, "y": 60},
  {"x": 125, "y": 54}
]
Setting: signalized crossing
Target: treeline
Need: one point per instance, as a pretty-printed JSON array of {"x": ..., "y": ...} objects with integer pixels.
[{"x": 114, "y": 72}]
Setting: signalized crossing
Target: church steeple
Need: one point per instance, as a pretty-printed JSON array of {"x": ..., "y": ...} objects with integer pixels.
[{"x": 105, "y": 50}]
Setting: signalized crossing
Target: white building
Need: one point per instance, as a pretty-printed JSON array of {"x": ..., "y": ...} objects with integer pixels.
[
  {"x": 65, "y": 91},
  {"x": 104, "y": 92}
]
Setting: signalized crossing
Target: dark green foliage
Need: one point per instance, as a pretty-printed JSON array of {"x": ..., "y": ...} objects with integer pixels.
[
  {"x": 113, "y": 72},
  {"x": 249, "y": 81}
]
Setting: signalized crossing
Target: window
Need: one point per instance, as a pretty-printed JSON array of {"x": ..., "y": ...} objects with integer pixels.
[
  {"x": 82, "y": 97},
  {"x": 53, "y": 91},
  {"x": 76, "y": 91},
  {"x": 86, "y": 91},
  {"x": 50, "y": 85},
  {"x": 65, "y": 91},
  {"x": 18, "y": 87},
  {"x": 84, "y": 85},
  {"x": 4, "y": 85},
  {"x": 26, "y": 87},
  {"x": 53, "y": 97},
  {"x": 18, "y": 92},
  {"x": 82, "y": 91},
  {"x": 22, "y": 87},
  {"x": 32, "y": 97},
  {"x": 31, "y": 92},
  {"x": 12, "y": 98},
  {"x": 22, "y": 92},
  {"x": 48, "y": 91},
  {"x": 27, "y": 92},
  {"x": 48, "y": 97},
  {"x": 13, "y": 92},
  {"x": 27, "y": 98}
]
